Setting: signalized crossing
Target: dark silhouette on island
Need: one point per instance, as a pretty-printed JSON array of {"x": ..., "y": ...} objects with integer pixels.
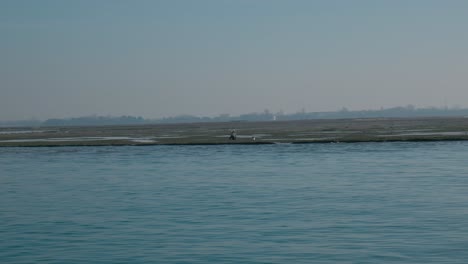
[{"x": 395, "y": 112}]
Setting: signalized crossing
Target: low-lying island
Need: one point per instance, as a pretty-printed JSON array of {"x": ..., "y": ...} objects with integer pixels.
[{"x": 300, "y": 131}]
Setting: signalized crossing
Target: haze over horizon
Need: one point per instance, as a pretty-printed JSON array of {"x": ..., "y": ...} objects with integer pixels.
[{"x": 165, "y": 58}]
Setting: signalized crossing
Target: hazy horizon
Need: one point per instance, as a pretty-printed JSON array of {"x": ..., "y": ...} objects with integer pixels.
[{"x": 166, "y": 58}]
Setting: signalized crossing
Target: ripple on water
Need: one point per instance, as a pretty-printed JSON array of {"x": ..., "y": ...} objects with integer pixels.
[{"x": 311, "y": 203}]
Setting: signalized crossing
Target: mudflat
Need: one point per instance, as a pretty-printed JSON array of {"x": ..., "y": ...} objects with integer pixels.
[{"x": 301, "y": 131}]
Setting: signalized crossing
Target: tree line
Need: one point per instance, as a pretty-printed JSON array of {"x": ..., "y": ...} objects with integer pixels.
[{"x": 266, "y": 115}]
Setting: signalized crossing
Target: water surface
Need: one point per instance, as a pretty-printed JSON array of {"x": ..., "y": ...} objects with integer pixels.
[{"x": 285, "y": 203}]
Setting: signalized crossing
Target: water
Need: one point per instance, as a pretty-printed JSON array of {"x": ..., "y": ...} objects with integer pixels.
[{"x": 316, "y": 203}]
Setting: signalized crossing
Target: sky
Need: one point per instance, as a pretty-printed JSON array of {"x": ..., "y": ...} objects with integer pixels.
[{"x": 208, "y": 57}]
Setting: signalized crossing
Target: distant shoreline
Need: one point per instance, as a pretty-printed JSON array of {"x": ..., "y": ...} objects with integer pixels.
[
  {"x": 249, "y": 133},
  {"x": 408, "y": 111}
]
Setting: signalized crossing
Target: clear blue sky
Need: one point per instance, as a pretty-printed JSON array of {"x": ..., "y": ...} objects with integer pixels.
[{"x": 164, "y": 58}]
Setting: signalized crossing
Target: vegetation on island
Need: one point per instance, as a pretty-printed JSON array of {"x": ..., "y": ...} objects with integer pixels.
[{"x": 396, "y": 112}]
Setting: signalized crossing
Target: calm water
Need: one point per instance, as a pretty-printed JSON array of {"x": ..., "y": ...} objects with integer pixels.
[{"x": 317, "y": 203}]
